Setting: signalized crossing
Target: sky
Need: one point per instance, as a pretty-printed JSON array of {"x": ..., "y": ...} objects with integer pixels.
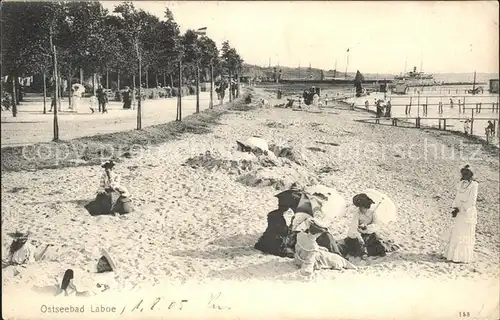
[{"x": 382, "y": 37}]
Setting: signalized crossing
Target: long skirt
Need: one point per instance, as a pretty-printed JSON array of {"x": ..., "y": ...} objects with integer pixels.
[
  {"x": 103, "y": 203},
  {"x": 123, "y": 206},
  {"x": 373, "y": 246},
  {"x": 461, "y": 238},
  {"x": 327, "y": 241}
]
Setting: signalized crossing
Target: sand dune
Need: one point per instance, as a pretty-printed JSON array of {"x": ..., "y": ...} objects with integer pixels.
[{"x": 200, "y": 225}]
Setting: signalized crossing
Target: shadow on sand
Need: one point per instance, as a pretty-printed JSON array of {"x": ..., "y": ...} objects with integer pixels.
[
  {"x": 219, "y": 253},
  {"x": 237, "y": 240},
  {"x": 263, "y": 271}
]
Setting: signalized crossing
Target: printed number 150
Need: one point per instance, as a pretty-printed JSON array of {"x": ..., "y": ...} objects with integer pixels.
[{"x": 464, "y": 314}]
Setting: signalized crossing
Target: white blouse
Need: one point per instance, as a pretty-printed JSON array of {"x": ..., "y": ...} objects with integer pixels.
[
  {"x": 466, "y": 195},
  {"x": 113, "y": 181},
  {"x": 368, "y": 218}
]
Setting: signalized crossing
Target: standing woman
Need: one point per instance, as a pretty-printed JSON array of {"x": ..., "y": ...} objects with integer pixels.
[{"x": 459, "y": 244}]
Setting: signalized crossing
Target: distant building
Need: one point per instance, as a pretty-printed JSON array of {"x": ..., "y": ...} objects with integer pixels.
[{"x": 494, "y": 84}]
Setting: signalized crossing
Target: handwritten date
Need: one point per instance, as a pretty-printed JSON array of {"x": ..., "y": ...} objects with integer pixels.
[{"x": 157, "y": 303}]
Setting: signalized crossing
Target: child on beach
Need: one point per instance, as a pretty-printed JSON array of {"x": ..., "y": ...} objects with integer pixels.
[
  {"x": 23, "y": 252},
  {"x": 67, "y": 285},
  {"x": 309, "y": 256}
]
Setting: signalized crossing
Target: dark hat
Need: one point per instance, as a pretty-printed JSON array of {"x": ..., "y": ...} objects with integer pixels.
[
  {"x": 362, "y": 201},
  {"x": 108, "y": 164}
]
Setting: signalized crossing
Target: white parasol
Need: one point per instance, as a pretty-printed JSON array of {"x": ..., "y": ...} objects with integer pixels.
[
  {"x": 332, "y": 203},
  {"x": 385, "y": 210},
  {"x": 78, "y": 89}
]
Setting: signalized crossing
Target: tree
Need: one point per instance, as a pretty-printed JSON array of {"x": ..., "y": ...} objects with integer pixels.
[
  {"x": 231, "y": 61},
  {"x": 210, "y": 59},
  {"x": 137, "y": 28}
]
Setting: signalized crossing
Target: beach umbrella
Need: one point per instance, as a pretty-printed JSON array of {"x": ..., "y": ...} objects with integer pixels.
[
  {"x": 331, "y": 202},
  {"x": 384, "y": 208},
  {"x": 297, "y": 200},
  {"x": 78, "y": 88}
]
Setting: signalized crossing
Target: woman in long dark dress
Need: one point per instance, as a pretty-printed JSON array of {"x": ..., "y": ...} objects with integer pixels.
[
  {"x": 362, "y": 237},
  {"x": 112, "y": 197},
  {"x": 273, "y": 241},
  {"x": 127, "y": 98}
]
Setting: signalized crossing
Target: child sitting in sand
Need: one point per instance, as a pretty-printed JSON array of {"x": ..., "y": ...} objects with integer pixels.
[
  {"x": 68, "y": 288},
  {"x": 309, "y": 256},
  {"x": 67, "y": 285},
  {"x": 23, "y": 252}
]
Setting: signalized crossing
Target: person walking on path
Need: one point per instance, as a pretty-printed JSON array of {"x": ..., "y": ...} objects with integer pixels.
[{"x": 102, "y": 99}]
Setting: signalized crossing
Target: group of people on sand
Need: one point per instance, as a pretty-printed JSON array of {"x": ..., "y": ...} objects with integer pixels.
[
  {"x": 309, "y": 242},
  {"x": 314, "y": 247},
  {"x": 112, "y": 199},
  {"x": 310, "y": 96}
]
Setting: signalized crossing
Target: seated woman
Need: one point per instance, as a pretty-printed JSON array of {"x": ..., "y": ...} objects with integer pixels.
[
  {"x": 274, "y": 239},
  {"x": 23, "y": 252},
  {"x": 112, "y": 197},
  {"x": 362, "y": 237},
  {"x": 309, "y": 256}
]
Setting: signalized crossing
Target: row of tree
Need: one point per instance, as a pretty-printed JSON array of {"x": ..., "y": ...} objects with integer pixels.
[{"x": 89, "y": 39}]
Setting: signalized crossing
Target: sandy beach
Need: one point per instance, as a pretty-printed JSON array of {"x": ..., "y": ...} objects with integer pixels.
[{"x": 199, "y": 225}]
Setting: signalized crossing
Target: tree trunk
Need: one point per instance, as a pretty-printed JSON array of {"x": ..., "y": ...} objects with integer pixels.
[
  {"x": 118, "y": 81},
  {"x": 164, "y": 79},
  {"x": 197, "y": 89},
  {"x": 230, "y": 87},
  {"x": 179, "y": 94},
  {"x": 211, "y": 104},
  {"x": 133, "y": 81},
  {"x": 56, "y": 95},
  {"x": 171, "y": 80},
  {"x": 147, "y": 80},
  {"x": 81, "y": 76},
  {"x": 60, "y": 90},
  {"x": 238, "y": 85},
  {"x": 139, "y": 101},
  {"x": 44, "y": 93},
  {"x": 94, "y": 83},
  {"x": 70, "y": 105},
  {"x": 19, "y": 98},
  {"x": 107, "y": 79},
  {"x": 13, "y": 92},
  {"x": 156, "y": 78}
]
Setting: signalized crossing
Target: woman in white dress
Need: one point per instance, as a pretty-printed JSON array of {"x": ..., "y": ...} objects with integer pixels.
[{"x": 459, "y": 243}]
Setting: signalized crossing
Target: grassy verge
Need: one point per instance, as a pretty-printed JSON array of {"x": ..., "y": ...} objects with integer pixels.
[{"x": 92, "y": 150}]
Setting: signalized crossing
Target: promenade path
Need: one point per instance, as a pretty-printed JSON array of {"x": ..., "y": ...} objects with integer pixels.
[{"x": 32, "y": 126}]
